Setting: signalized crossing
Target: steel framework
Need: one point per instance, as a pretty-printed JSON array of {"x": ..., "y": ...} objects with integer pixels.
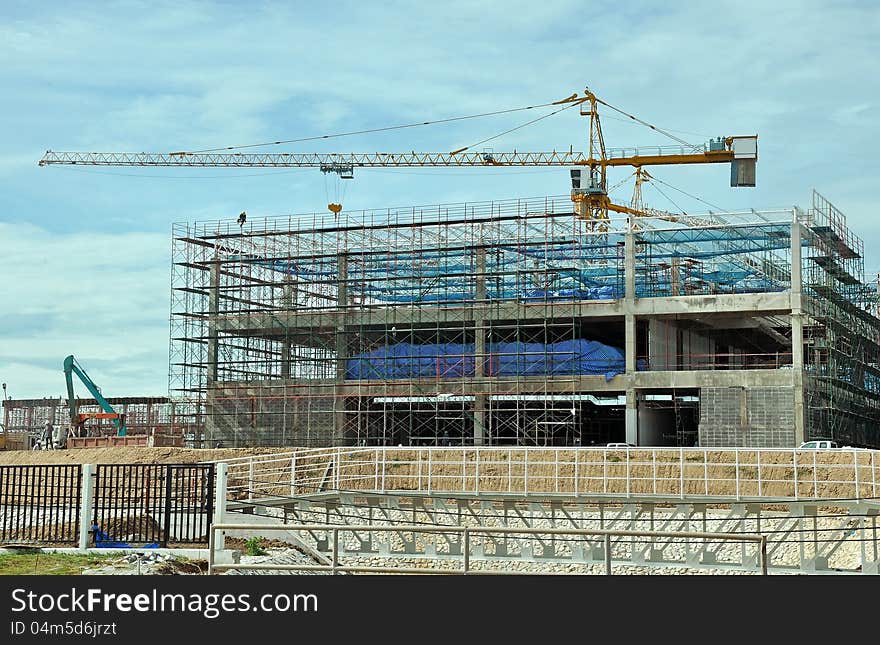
[{"x": 516, "y": 322}]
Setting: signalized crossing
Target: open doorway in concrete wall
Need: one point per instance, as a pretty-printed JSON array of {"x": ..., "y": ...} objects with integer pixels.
[{"x": 669, "y": 418}]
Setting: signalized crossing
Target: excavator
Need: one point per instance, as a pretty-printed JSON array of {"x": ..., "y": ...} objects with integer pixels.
[{"x": 77, "y": 419}]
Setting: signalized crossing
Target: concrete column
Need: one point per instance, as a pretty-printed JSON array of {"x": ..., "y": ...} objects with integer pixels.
[
  {"x": 629, "y": 249},
  {"x": 632, "y": 416},
  {"x": 86, "y": 505},
  {"x": 287, "y": 303},
  {"x": 480, "y": 400},
  {"x": 480, "y": 419},
  {"x": 796, "y": 261},
  {"x": 480, "y": 324},
  {"x": 629, "y": 325},
  {"x": 211, "y": 431},
  {"x": 797, "y": 332},
  {"x": 629, "y": 262},
  {"x": 797, "y": 360},
  {"x": 213, "y": 313},
  {"x": 341, "y": 349}
]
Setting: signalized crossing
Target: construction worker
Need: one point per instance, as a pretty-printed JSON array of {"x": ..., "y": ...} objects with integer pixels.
[{"x": 48, "y": 435}]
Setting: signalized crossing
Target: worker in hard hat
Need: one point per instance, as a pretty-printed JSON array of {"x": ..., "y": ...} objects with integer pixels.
[{"x": 48, "y": 435}]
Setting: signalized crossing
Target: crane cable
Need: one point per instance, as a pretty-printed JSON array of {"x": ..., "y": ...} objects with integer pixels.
[
  {"x": 519, "y": 127},
  {"x": 371, "y": 130},
  {"x": 645, "y": 123}
]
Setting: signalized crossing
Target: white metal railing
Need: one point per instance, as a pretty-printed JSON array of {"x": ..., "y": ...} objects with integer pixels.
[
  {"x": 467, "y": 535},
  {"x": 643, "y": 151},
  {"x": 731, "y": 473}
]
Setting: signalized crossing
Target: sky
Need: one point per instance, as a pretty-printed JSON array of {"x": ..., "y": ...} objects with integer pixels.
[{"x": 85, "y": 265}]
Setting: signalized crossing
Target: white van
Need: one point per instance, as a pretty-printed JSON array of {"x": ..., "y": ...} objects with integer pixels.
[{"x": 818, "y": 445}]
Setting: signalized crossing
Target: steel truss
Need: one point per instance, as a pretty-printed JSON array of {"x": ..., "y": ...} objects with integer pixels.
[{"x": 830, "y": 536}]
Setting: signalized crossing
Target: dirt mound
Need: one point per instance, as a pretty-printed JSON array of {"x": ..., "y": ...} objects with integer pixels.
[{"x": 132, "y": 529}]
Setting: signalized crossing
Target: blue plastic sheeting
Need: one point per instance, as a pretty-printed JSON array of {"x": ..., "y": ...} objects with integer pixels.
[
  {"x": 587, "y": 293},
  {"x": 455, "y": 360},
  {"x": 105, "y": 541}
]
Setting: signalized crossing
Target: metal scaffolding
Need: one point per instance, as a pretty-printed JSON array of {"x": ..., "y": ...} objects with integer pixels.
[{"x": 506, "y": 322}]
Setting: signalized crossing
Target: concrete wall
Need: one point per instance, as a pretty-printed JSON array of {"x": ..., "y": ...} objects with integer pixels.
[
  {"x": 760, "y": 417},
  {"x": 662, "y": 345},
  {"x": 695, "y": 350}
]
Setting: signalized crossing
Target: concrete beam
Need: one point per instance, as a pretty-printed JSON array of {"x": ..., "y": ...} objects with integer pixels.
[
  {"x": 714, "y": 378},
  {"x": 528, "y": 385},
  {"x": 311, "y": 322}
]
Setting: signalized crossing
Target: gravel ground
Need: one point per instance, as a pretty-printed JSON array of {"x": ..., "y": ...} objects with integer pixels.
[{"x": 784, "y": 547}]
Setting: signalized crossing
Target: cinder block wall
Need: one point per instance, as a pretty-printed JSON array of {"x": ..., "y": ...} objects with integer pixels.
[{"x": 750, "y": 418}]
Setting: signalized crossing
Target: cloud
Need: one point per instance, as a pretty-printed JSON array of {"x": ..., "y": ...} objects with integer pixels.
[
  {"x": 86, "y": 266},
  {"x": 102, "y": 297}
]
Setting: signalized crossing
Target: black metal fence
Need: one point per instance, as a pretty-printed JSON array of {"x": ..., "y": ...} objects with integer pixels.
[
  {"x": 153, "y": 504},
  {"x": 134, "y": 505},
  {"x": 40, "y": 504}
]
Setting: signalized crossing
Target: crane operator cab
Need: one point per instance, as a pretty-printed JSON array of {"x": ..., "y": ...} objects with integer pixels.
[{"x": 585, "y": 183}]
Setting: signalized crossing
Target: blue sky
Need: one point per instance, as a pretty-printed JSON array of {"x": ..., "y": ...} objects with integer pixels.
[{"x": 85, "y": 267}]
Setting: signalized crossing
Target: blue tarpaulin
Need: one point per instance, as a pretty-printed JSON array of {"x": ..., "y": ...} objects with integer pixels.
[{"x": 454, "y": 360}]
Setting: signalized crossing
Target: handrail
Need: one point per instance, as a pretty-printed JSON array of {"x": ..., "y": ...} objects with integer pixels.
[
  {"x": 466, "y": 533},
  {"x": 729, "y": 473}
]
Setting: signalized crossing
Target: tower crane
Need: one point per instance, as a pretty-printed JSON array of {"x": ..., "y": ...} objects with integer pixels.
[{"x": 588, "y": 172}]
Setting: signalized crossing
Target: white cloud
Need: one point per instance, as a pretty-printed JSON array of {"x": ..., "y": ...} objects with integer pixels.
[
  {"x": 163, "y": 76},
  {"x": 102, "y": 297}
]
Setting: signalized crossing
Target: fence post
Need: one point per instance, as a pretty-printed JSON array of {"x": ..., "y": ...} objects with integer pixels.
[
  {"x": 86, "y": 505},
  {"x": 654, "y": 470},
  {"x": 815, "y": 478},
  {"x": 477, "y": 471},
  {"x": 556, "y": 469},
  {"x": 763, "y": 555},
  {"x": 251, "y": 480},
  {"x": 856, "y": 473},
  {"x": 166, "y": 525},
  {"x": 221, "y": 477},
  {"x": 605, "y": 470},
  {"x": 335, "y": 561},
  {"x": 681, "y": 472},
  {"x": 794, "y": 461},
  {"x": 736, "y": 470},
  {"x": 525, "y": 470},
  {"x": 873, "y": 477},
  {"x": 376, "y": 466},
  {"x": 430, "y": 465},
  {"x": 706, "y": 470},
  {"x": 293, "y": 476},
  {"x": 758, "y": 453},
  {"x": 466, "y": 547},
  {"x": 607, "y": 554}
]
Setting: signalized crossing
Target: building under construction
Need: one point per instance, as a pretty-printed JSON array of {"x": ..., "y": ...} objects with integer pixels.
[
  {"x": 150, "y": 416},
  {"x": 520, "y": 322}
]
